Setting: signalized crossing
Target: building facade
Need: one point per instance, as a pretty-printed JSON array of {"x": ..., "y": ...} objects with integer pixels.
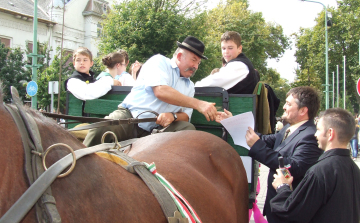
[{"x": 81, "y": 19}]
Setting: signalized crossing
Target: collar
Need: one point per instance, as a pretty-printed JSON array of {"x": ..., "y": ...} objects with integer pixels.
[
  {"x": 334, "y": 152},
  {"x": 296, "y": 126},
  {"x": 85, "y": 74},
  {"x": 173, "y": 64}
]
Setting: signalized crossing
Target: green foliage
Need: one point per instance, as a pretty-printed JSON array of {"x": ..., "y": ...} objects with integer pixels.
[
  {"x": 42, "y": 49},
  {"x": 51, "y": 73},
  {"x": 12, "y": 71},
  {"x": 98, "y": 66},
  {"x": 260, "y": 40},
  {"x": 145, "y": 27},
  {"x": 343, "y": 40},
  {"x": 280, "y": 87}
]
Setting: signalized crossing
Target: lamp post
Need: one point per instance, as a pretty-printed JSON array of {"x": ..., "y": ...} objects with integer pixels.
[{"x": 326, "y": 57}]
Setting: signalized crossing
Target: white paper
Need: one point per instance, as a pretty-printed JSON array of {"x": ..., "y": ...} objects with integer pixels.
[
  {"x": 238, "y": 125},
  {"x": 248, "y": 167}
]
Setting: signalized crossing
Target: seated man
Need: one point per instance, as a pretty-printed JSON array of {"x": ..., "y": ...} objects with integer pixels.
[
  {"x": 238, "y": 76},
  {"x": 163, "y": 86},
  {"x": 329, "y": 191}
]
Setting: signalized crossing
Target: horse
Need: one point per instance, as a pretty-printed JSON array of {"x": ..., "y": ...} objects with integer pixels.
[{"x": 202, "y": 167}]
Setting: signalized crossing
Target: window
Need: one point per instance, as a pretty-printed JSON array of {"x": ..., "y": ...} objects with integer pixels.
[
  {"x": 5, "y": 41},
  {"x": 99, "y": 30},
  {"x": 104, "y": 7}
]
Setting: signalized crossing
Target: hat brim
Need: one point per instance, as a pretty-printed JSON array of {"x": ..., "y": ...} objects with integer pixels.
[{"x": 192, "y": 50}]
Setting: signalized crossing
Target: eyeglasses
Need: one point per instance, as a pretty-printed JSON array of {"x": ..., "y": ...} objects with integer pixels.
[{"x": 123, "y": 64}]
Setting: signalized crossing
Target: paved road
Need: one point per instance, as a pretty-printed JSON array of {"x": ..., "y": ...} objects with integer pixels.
[{"x": 264, "y": 170}]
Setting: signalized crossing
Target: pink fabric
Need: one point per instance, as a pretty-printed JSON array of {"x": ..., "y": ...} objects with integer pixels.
[{"x": 258, "y": 217}]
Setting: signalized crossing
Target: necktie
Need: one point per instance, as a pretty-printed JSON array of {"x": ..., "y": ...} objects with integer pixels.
[{"x": 286, "y": 134}]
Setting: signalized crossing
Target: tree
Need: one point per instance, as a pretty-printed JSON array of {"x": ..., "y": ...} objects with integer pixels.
[
  {"x": 147, "y": 27},
  {"x": 51, "y": 73},
  {"x": 260, "y": 40},
  {"x": 12, "y": 71},
  {"x": 279, "y": 85},
  {"x": 43, "y": 49},
  {"x": 343, "y": 39}
]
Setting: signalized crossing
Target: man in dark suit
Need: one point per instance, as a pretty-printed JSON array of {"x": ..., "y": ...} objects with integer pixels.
[
  {"x": 295, "y": 142},
  {"x": 329, "y": 191}
]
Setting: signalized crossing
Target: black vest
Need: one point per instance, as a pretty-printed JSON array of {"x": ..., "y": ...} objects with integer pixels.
[
  {"x": 81, "y": 76},
  {"x": 248, "y": 84}
]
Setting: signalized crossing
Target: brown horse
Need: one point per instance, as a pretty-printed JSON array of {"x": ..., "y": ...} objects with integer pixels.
[{"x": 202, "y": 167}]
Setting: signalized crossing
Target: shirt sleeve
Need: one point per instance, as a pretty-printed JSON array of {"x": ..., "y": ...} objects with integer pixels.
[
  {"x": 301, "y": 204},
  {"x": 155, "y": 72},
  {"x": 84, "y": 91},
  {"x": 227, "y": 77}
]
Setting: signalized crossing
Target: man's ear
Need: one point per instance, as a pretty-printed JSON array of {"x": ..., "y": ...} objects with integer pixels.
[
  {"x": 331, "y": 135},
  {"x": 92, "y": 63},
  {"x": 303, "y": 111},
  {"x": 179, "y": 55},
  {"x": 240, "y": 48}
]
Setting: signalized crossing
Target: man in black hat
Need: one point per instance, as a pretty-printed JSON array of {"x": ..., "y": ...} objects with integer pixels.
[{"x": 163, "y": 86}]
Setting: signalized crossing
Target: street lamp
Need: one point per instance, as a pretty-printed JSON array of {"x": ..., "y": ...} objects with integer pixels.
[{"x": 326, "y": 54}]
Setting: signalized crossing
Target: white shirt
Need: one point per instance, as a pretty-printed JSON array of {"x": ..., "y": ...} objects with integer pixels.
[
  {"x": 296, "y": 126},
  {"x": 84, "y": 91},
  {"x": 126, "y": 79},
  {"x": 158, "y": 70},
  {"x": 227, "y": 77}
]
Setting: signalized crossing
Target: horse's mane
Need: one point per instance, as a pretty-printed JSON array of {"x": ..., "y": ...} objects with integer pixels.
[{"x": 45, "y": 120}]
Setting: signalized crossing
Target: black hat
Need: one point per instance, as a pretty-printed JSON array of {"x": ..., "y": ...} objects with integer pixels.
[{"x": 194, "y": 45}]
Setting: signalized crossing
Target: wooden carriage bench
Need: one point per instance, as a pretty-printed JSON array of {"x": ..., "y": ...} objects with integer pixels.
[{"x": 236, "y": 103}]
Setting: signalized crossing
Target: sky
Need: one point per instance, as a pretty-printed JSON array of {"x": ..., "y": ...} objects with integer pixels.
[{"x": 291, "y": 15}]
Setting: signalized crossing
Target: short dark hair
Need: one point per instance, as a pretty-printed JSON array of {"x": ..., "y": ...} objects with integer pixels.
[
  {"x": 306, "y": 96},
  {"x": 233, "y": 36},
  {"x": 342, "y": 121},
  {"x": 82, "y": 51}
]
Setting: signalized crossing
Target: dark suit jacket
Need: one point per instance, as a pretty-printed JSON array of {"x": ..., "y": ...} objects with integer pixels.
[{"x": 299, "y": 149}]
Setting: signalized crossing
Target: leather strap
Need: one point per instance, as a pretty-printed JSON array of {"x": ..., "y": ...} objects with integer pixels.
[
  {"x": 31, "y": 136},
  {"x": 113, "y": 122},
  {"x": 78, "y": 118},
  {"x": 22, "y": 206},
  {"x": 133, "y": 166}
]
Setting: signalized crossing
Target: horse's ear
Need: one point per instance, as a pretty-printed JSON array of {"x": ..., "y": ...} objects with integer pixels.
[{"x": 15, "y": 96}]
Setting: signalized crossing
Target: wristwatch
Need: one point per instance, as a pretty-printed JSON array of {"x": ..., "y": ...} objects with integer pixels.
[{"x": 175, "y": 116}]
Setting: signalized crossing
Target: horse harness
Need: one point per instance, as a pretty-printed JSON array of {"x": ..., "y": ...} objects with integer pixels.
[{"x": 40, "y": 178}]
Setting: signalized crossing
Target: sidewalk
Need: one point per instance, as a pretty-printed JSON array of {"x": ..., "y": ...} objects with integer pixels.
[{"x": 264, "y": 171}]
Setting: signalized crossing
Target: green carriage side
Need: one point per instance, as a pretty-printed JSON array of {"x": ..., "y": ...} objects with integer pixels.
[{"x": 236, "y": 103}]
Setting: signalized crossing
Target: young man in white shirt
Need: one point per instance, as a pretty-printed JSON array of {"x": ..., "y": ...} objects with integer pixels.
[{"x": 238, "y": 76}]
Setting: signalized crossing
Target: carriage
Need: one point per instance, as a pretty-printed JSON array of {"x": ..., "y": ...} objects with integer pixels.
[
  {"x": 236, "y": 103},
  {"x": 96, "y": 191}
]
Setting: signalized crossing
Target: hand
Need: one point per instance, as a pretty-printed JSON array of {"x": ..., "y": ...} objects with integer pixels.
[
  {"x": 165, "y": 119},
  {"x": 208, "y": 110},
  {"x": 117, "y": 83},
  {"x": 251, "y": 137},
  {"x": 223, "y": 115},
  {"x": 280, "y": 179}
]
